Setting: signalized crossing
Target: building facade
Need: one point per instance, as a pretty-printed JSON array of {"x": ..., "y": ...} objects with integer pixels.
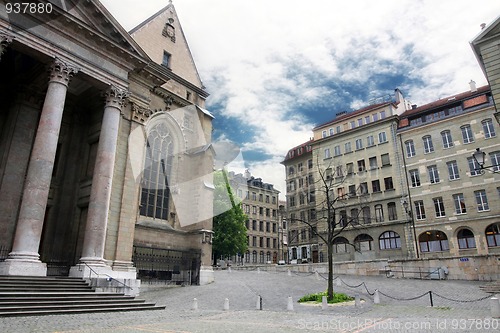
[
  {"x": 303, "y": 245},
  {"x": 452, "y": 198},
  {"x": 485, "y": 47},
  {"x": 89, "y": 157},
  {"x": 358, "y": 156},
  {"x": 259, "y": 201}
]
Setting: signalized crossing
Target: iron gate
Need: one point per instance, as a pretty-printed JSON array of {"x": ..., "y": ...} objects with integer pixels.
[{"x": 155, "y": 265}]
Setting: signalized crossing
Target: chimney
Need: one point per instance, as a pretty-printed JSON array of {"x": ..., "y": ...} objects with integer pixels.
[
  {"x": 483, "y": 25},
  {"x": 472, "y": 85},
  {"x": 414, "y": 106}
]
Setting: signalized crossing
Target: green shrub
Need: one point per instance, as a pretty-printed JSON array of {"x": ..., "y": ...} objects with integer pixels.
[{"x": 337, "y": 298}]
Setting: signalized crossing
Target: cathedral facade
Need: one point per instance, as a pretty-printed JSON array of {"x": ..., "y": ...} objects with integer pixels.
[{"x": 105, "y": 154}]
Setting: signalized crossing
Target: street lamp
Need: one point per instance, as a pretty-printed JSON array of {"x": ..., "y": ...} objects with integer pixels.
[{"x": 480, "y": 158}]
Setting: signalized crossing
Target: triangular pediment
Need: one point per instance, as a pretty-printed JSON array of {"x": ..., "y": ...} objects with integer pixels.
[
  {"x": 162, "y": 38},
  {"x": 495, "y": 31},
  {"x": 93, "y": 15},
  {"x": 489, "y": 31}
]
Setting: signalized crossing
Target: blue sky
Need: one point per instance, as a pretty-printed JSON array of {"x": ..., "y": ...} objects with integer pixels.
[{"x": 277, "y": 68}]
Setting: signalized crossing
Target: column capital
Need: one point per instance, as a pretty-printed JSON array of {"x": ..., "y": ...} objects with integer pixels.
[
  {"x": 5, "y": 40},
  {"x": 115, "y": 97},
  {"x": 61, "y": 72}
]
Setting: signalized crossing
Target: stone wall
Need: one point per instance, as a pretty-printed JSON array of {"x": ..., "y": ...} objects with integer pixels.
[
  {"x": 476, "y": 268},
  {"x": 473, "y": 268}
]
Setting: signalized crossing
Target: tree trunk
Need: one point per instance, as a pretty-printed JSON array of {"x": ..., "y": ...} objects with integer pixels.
[{"x": 330, "y": 271}]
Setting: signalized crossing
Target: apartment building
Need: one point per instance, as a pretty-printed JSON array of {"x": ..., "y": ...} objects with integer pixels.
[
  {"x": 452, "y": 197},
  {"x": 300, "y": 203},
  {"x": 357, "y": 157},
  {"x": 260, "y": 203},
  {"x": 358, "y": 154}
]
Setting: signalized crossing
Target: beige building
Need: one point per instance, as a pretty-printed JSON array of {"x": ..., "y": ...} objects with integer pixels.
[
  {"x": 259, "y": 201},
  {"x": 299, "y": 167},
  {"x": 453, "y": 200},
  {"x": 358, "y": 155},
  {"x": 96, "y": 160},
  {"x": 485, "y": 47}
]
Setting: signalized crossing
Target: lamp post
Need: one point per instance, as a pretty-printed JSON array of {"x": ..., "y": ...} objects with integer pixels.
[
  {"x": 412, "y": 220},
  {"x": 479, "y": 157}
]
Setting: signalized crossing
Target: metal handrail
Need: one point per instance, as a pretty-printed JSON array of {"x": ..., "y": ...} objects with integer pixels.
[{"x": 109, "y": 277}]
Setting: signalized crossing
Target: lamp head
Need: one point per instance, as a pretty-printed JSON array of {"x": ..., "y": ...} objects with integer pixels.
[{"x": 479, "y": 156}]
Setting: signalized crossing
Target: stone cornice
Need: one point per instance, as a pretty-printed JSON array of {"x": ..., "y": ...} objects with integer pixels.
[
  {"x": 169, "y": 97},
  {"x": 167, "y": 73}
]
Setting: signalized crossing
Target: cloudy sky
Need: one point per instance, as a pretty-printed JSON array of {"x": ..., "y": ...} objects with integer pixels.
[{"x": 277, "y": 68}]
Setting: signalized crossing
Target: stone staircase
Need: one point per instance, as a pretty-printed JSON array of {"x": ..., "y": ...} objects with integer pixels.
[
  {"x": 26, "y": 296},
  {"x": 492, "y": 287}
]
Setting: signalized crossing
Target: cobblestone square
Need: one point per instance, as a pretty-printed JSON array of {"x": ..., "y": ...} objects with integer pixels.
[{"x": 404, "y": 307}]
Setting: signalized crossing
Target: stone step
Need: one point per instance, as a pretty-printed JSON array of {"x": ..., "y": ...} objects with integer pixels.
[
  {"x": 39, "y": 278},
  {"x": 45, "y": 302},
  {"x": 27, "y": 288},
  {"x": 63, "y": 294},
  {"x": 23, "y": 312},
  {"x": 44, "y": 282},
  {"x": 62, "y": 297},
  {"x": 24, "y": 296},
  {"x": 492, "y": 287},
  {"x": 56, "y": 307}
]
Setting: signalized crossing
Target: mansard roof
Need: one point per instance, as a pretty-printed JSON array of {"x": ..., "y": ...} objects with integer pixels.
[
  {"x": 454, "y": 99},
  {"x": 298, "y": 151},
  {"x": 339, "y": 119}
]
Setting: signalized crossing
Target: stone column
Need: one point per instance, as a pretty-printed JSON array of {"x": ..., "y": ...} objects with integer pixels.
[
  {"x": 100, "y": 195},
  {"x": 24, "y": 258},
  {"x": 5, "y": 40}
]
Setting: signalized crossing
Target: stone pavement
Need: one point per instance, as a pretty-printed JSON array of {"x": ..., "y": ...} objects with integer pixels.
[{"x": 456, "y": 307}]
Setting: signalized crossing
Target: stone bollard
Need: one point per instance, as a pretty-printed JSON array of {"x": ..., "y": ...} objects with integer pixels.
[
  {"x": 317, "y": 275},
  {"x": 258, "y": 270},
  {"x": 357, "y": 301},
  {"x": 289, "y": 306},
  {"x": 229, "y": 269},
  {"x": 258, "y": 306},
  {"x": 338, "y": 282},
  {"x": 324, "y": 302},
  {"x": 226, "y": 304},
  {"x": 495, "y": 307},
  {"x": 289, "y": 273},
  {"x": 195, "y": 304},
  {"x": 376, "y": 297}
]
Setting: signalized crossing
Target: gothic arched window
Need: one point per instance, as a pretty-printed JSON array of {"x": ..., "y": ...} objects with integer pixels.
[{"x": 155, "y": 193}]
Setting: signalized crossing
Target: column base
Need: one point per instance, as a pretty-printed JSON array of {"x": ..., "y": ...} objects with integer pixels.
[
  {"x": 206, "y": 275},
  {"x": 124, "y": 266},
  {"x": 23, "y": 267},
  {"x": 104, "y": 279}
]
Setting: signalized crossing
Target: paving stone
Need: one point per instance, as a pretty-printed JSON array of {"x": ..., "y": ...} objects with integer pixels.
[{"x": 452, "y": 309}]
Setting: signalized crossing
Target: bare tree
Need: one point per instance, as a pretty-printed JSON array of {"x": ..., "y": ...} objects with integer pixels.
[{"x": 332, "y": 200}]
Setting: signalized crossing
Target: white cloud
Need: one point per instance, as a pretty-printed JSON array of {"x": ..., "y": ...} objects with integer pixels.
[{"x": 260, "y": 58}]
